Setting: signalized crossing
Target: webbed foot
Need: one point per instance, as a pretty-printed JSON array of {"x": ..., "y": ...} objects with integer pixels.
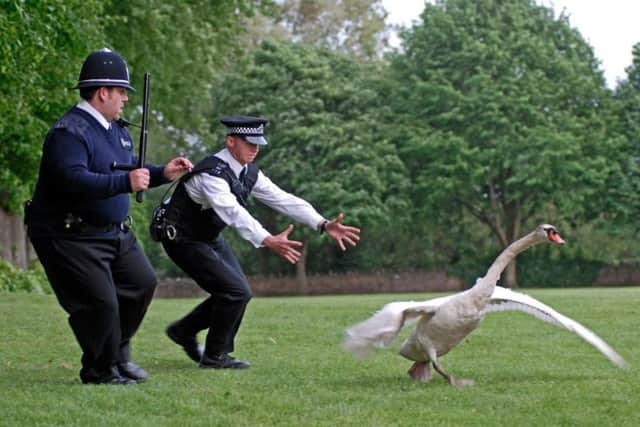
[{"x": 420, "y": 371}]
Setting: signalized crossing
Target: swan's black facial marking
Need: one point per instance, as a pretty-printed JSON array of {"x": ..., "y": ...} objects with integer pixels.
[{"x": 553, "y": 235}]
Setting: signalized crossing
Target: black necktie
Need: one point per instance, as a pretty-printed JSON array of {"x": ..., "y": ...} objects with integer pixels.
[{"x": 242, "y": 173}]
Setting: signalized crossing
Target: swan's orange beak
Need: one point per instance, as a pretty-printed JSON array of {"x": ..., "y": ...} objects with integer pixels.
[{"x": 554, "y": 236}]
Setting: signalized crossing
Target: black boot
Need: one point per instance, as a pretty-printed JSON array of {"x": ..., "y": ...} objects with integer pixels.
[
  {"x": 189, "y": 343},
  {"x": 133, "y": 371},
  {"x": 111, "y": 376},
  {"x": 222, "y": 361}
]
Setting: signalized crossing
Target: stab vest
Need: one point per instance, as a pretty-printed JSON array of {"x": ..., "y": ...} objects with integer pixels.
[{"x": 188, "y": 218}]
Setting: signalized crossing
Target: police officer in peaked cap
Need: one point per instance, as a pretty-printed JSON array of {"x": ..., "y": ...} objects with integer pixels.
[
  {"x": 77, "y": 221},
  {"x": 210, "y": 198}
]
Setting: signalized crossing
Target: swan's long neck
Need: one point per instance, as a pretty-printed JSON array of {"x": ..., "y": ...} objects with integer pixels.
[{"x": 487, "y": 284}]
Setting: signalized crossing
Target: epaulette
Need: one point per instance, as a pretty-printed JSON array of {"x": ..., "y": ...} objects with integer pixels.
[{"x": 73, "y": 123}]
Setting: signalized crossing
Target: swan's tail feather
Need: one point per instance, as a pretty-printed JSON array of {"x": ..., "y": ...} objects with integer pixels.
[
  {"x": 361, "y": 346},
  {"x": 504, "y": 299},
  {"x": 379, "y": 330}
]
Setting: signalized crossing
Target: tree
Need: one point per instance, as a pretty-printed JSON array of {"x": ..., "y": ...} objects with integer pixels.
[
  {"x": 42, "y": 45},
  {"x": 506, "y": 115},
  {"x": 183, "y": 46},
  {"x": 352, "y": 27},
  {"x": 324, "y": 142},
  {"x": 627, "y": 95}
]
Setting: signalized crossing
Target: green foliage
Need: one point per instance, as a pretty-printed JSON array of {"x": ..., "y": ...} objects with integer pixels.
[
  {"x": 42, "y": 45},
  {"x": 511, "y": 101},
  {"x": 527, "y": 372},
  {"x": 183, "y": 46},
  {"x": 627, "y": 202},
  {"x": 13, "y": 279},
  {"x": 507, "y": 116},
  {"x": 353, "y": 27},
  {"x": 541, "y": 269}
]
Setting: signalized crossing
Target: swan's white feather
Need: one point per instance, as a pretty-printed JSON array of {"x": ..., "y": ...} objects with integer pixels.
[
  {"x": 505, "y": 299},
  {"x": 381, "y": 328}
]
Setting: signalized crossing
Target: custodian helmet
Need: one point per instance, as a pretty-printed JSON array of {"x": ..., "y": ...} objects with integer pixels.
[{"x": 104, "y": 68}]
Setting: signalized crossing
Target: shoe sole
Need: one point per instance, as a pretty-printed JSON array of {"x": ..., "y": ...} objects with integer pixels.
[{"x": 225, "y": 367}]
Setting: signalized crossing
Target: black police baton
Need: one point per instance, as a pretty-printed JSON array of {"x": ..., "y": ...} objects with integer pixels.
[{"x": 142, "y": 153}]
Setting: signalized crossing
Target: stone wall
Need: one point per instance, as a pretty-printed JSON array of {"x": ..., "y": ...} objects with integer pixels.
[
  {"x": 349, "y": 283},
  {"x": 619, "y": 275},
  {"x": 356, "y": 283}
]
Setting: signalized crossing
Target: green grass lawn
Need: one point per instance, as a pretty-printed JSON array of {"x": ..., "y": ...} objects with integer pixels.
[{"x": 527, "y": 372}]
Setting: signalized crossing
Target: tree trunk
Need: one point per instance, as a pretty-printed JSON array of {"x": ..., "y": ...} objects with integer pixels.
[
  {"x": 301, "y": 272},
  {"x": 14, "y": 246},
  {"x": 510, "y": 276}
]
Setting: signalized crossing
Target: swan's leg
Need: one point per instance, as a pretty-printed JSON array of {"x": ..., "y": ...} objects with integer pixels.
[
  {"x": 450, "y": 379},
  {"x": 420, "y": 371}
]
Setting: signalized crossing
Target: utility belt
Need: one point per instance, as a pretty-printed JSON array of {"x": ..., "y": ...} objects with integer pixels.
[
  {"x": 70, "y": 223},
  {"x": 76, "y": 224},
  {"x": 163, "y": 229}
]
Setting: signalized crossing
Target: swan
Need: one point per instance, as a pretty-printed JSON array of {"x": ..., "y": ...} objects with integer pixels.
[{"x": 442, "y": 323}]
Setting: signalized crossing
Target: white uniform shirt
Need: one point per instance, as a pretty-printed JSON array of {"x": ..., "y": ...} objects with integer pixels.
[{"x": 214, "y": 192}]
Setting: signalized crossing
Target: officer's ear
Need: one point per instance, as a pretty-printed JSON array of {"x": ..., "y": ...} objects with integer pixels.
[{"x": 101, "y": 93}]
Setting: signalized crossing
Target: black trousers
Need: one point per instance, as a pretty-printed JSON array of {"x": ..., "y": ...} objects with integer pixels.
[
  {"x": 105, "y": 284},
  {"x": 215, "y": 268}
]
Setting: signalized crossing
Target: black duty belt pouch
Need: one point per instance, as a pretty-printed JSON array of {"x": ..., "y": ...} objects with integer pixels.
[{"x": 160, "y": 229}]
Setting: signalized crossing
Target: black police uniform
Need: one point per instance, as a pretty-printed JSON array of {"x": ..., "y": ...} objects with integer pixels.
[
  {"x": 200, "y": 250},
  {"x": 76, "y": 222},
  {"x": 192, "y": 240}
]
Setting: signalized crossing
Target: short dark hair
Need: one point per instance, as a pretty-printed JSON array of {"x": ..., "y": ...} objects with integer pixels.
[{"x": 86, "y": 93}]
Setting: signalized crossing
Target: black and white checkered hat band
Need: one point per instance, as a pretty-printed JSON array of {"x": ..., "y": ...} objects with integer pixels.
[{"x": 242, "y": 130}]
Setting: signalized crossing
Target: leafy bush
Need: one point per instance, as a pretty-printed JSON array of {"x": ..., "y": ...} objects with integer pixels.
[
  {"x": 13, "y": 279},
  {"x": 558, "y": 272}
]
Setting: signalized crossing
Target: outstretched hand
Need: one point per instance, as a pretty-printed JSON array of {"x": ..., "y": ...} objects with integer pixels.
[
  {"x": 283, "y": 247},
  {"x": 177, "y": 167},
  {"x": 342, "y": 233}
]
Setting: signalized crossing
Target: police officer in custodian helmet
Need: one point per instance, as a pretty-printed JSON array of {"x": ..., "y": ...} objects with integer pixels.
[{"x": 77, "y": 222}]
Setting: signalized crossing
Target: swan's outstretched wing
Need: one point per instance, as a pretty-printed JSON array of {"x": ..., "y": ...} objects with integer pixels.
[
  {"x": 381, "y": 328},
  {"x": 505, "y": 299}
]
